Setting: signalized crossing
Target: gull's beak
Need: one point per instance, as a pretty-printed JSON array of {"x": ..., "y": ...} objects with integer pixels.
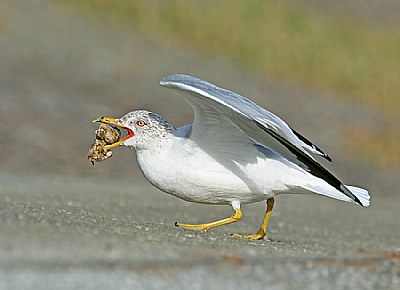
[{"x": 115, "y": 122}]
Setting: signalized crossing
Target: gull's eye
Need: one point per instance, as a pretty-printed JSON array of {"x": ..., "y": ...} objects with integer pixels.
[{"x": 140, "y": 123}]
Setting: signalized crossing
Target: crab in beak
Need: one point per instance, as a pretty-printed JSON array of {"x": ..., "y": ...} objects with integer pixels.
[{"x": 117, "y": 123}]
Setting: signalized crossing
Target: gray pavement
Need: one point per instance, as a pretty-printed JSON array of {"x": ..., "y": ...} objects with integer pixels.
[
  {"x": 67, "y": 225},
  {"x": 89, "y": 233}
]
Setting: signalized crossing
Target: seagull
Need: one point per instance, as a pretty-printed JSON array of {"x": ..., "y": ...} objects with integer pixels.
[{"x": 235, "y": 152}]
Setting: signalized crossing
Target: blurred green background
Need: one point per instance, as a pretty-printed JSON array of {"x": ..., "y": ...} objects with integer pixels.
[
  {"x": 278, "y": 38},
  {"x": 355, "y": 56}
]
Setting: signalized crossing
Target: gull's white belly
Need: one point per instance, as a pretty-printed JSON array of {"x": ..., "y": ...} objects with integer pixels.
[
  {"x": 199, "y": 178},
  {"x": 193, "y": 175}
]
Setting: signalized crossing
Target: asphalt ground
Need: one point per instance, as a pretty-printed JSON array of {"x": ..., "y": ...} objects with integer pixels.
[{"x": 84, "y": 233}]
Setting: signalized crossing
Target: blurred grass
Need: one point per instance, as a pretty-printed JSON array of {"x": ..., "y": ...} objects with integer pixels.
[
  {"x": 280, "y": 39},
  {"x": 367, "y": 146},
  {"x": 359, "y": 62}
]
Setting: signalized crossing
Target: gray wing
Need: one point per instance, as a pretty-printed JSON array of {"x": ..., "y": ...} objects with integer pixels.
[
  {"x": 222, "y": 109},
  {"x": 246, "y": 109}
]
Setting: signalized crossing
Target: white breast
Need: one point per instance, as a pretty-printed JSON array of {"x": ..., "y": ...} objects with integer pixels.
[{"x": 191, "y": 174}]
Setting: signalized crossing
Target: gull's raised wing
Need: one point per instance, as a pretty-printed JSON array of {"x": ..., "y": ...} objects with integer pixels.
[
  {"x": 224, "y": 117},
  {"x": 204, "y": 94}
]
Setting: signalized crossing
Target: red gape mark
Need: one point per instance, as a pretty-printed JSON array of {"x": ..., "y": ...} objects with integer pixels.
[{"x": 130, "y": 135}]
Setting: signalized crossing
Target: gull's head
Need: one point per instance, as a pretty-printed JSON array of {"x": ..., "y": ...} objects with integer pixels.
[{"x": 146, "y": 130}]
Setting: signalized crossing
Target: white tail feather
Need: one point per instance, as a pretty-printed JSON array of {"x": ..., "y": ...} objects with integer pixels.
[
  {"x": 361, "y": 194},
  {"x": 327, "y": 190}
]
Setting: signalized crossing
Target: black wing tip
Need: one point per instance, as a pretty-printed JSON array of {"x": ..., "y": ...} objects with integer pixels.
[
  {"x": 313, "y": 166},
  {"x": 323, "y": 154},
  {"x": 327, "y": 157},
  {"x": 309, "y": 143}
]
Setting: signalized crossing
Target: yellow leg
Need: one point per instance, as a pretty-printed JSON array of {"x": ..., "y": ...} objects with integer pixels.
[
  {"x": 237, "y": 215},
  {"x": 263, "y": 229}
]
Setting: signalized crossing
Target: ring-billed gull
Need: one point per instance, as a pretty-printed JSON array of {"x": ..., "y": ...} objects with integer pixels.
[{"x": 235, "y": 152}]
